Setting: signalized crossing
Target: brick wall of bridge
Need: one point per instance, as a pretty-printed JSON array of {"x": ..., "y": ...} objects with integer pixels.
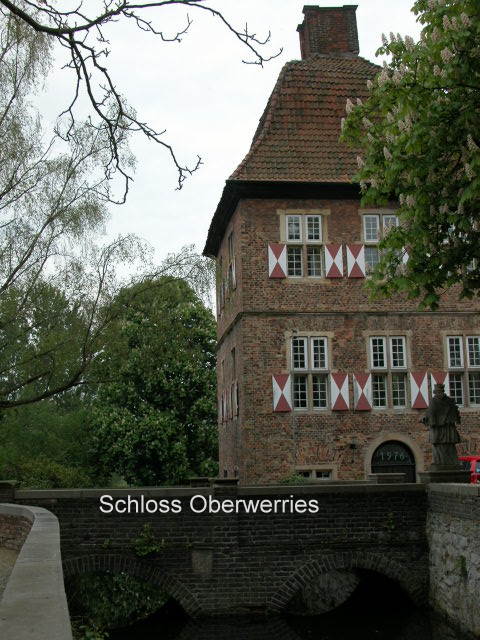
[{"x": 237, "y": 563}]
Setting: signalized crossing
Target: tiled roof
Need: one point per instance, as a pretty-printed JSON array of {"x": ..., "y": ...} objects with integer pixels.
[{"x": 297, "y": 137}]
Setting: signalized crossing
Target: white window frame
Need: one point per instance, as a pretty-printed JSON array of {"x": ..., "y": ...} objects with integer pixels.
[
  {"x": 303, "y": 339},
  {"x": 308, "y": 240},
  {"x": 385, "y": 356},
  {"x": 375, "y": 216},
  {"x": 460, "y": 366},
  {"x": 470, "y": 365},
  {"x": 404, "y": 350},
  {"x": 287, "y": 219},
  {"x": 325, "y": 346}
]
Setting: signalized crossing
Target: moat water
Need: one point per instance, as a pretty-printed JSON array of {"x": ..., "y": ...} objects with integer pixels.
[{"x": 371, "y": 613}]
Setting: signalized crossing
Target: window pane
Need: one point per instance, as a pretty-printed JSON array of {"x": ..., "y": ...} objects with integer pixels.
[
  {"x": 314, "y": 261},
  {"x": 372, "y": 258},
  {"x": 323, "y": 473},
  {"x": 299, "y": 353},
  {"x": 378, "y": 353},
  {"x": 379, "y": 389},
  {"x": 300, "y": 392},
  {"x": 474, "y": 351},
  {"x": 319, "y": 392},
  {"x": 389, "y": 222},
  {"x": 294, "y": 228},
  {"x": 294, "y": 261},
  {"x": 397, "y": 346},
  {"x": 370, "y": 228},
  {"x": 455, "y": 355},
  {"x": 314, "y": 228},
  {"x": 319, "y": 353},
  {"x": 474, "y": 388},
  {"x": 399, "y": 390},
  {"x": 456, "y": 387}
]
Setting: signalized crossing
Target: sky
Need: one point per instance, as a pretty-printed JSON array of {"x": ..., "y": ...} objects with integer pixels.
[{"x": 208, "y": 101}]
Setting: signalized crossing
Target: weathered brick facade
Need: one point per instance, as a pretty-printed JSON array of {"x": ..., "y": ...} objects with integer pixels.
[{"x": 259, "y": 315}]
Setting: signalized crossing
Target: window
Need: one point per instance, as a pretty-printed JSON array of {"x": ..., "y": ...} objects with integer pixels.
[
  {"x": 232, "y": 280},
  {"x": 304, "y": 237},
  {"x": 309, "y": 362},
  {"x": 388, "y": 354},
  {"x": 463, "y": 359},
  {"x": 315, "y": 474},
  {"x": 375, "y": 228}
]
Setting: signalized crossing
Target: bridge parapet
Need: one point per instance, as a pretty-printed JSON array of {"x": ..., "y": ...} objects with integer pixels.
[{"x": 248, "y": 549}]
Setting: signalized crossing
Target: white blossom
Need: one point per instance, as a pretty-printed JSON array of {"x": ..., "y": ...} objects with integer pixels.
[
  {"x": 409, "y": 42},
  {"x": 454, "y": 23},
  {"x": 370, "y": 138},
  {"x": 359, "y": 102},
  {"x": 363, "y": 186},
  {"x": 469, "y": 171},
  {"x": 408, "y": 123},
  {"x": 410, "y": 200},
  {"x": 390, "y": 137},
  {"x": 366, "y": 123},
  {"x": 342, "y": 124},
  {"x": 349, "y": 106},
  {"x": 397, "y": 77},
  {"x": 446, "y": 54},
  {"x": 465, "y": 19},
  {"x": 471, "y": 144},
  {"x": 401, "y": 198},
  {"x": 387, "y": 154},
  {"x": 460, "y": 209},
  {"x": 401, "y": 125},
  {"x": 432, "y": 4},
  {"x": 392, "y": 37},
  {"x": 390, "y": 118},
  {"x": 399, "y": 38},
  {"x": 369, "y": 84},
  {"x": 435, "y": 36},
  {"x": 384, "y": 40},
  {"x": 360, "y": 162},
  {"x": 443, "y": 208},
  {"x": 446, "y": 22},
  {"x": 373, "y": 183},
  {"x": 437, "y": 71}
]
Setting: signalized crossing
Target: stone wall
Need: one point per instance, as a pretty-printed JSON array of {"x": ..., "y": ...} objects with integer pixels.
[
  {"x": 13, "y": 531},
  {"x": 453, "y": 530}
]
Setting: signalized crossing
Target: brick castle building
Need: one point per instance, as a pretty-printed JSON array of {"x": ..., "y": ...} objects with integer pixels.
[{"x": 313, "y": 377}]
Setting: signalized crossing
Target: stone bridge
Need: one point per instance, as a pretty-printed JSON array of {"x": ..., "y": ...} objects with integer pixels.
[{"x": 214, "y": 557}]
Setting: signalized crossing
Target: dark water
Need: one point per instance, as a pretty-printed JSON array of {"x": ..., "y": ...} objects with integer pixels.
[{"x": 375, "y": 611}]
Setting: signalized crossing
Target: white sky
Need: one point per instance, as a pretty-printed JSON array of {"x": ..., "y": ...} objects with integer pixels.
[{"x": 208, "y": 101}]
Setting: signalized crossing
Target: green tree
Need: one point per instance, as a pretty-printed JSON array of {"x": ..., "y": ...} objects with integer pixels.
[
  {"x": 419, "y": 135},
  {"x": 155, "y": 421}
]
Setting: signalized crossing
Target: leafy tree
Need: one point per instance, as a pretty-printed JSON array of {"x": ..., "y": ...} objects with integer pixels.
[
  {"x": 419, "y": 132},
  {"x": 155, "y": 421},
  {"x": 56, "y": 282},
  {"x": 81, "y": 31}
]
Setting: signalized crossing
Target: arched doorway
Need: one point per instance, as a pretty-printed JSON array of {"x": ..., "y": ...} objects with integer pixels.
[{"x": 394, "y": 457}]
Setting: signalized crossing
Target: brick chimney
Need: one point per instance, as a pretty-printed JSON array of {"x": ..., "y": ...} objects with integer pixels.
[{"x": 329, "y": 31}]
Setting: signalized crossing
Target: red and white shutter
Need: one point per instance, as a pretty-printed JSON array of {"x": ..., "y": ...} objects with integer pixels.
[
  {"x": 440, "y": 377},
  {"x": 333, "y": 261},
  {"x": 339, "y": 391},
  {"x": 282, "y": 392},
  {"x": 419, "y": 390},
  {"x": 277, "y": 260},
  {"x": 355, "y": 260},
  {"x": 362, "y": 391}
]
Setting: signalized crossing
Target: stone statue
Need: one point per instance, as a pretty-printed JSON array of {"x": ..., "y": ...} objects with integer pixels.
[{"x": 441, "y": 417}]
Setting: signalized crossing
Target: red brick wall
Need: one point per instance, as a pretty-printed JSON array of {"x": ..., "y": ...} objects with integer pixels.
[{"x": 267, "y": 447}]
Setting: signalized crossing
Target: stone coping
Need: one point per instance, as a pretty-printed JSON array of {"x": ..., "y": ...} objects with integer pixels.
[
  {"x": 34, "y": 604},
  {"x": 466, "y": 490},
  {"x": 270, "y": 490}
]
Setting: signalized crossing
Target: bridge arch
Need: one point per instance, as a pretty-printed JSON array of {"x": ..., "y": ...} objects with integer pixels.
[
  {"x": 144, "y": 570},
  {"x": 415, "y": 587}
]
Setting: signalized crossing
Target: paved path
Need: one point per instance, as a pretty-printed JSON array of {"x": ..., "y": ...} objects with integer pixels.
[{"x": 7, "y": 560}]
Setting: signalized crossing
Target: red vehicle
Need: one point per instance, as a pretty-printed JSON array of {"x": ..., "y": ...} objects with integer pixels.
[{"x": 472, "y": 464}]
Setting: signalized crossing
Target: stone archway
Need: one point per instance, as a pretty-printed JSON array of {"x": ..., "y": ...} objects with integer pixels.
[
  {"x": 387, "y": 436},
  {"x": 146, "y": 571},
  {"x": 393, "y": 456},
  {"x": 415, "y": 586}
]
